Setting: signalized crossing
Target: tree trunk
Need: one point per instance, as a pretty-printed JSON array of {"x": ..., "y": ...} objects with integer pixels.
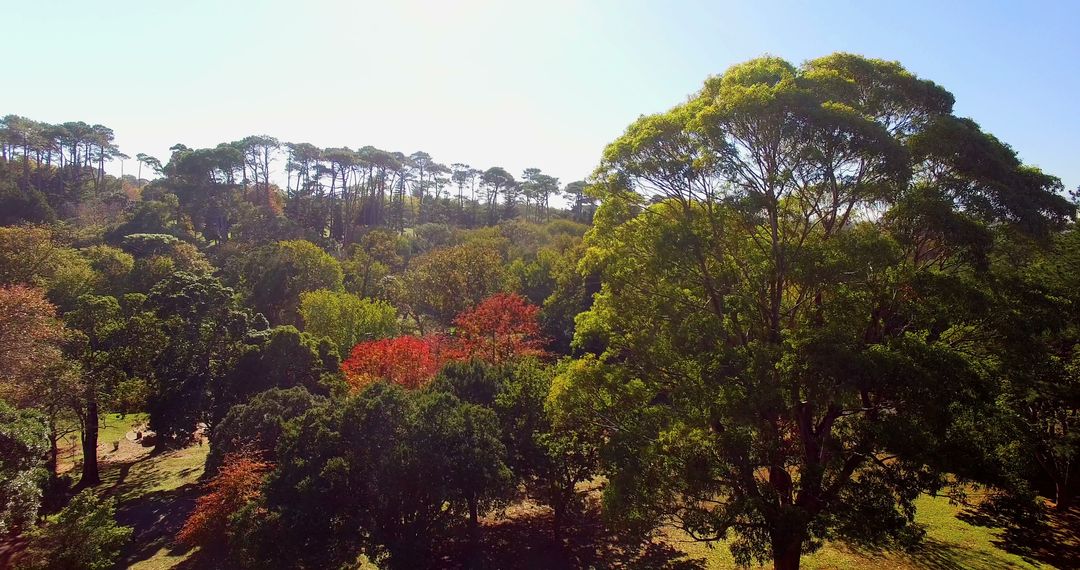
[
  {"x": 90, "y": 475},
  {"x": 787, "y": 552},
  {"x": 26, "y": 167},
  {"x": 474, "y": 513},
  {"x": 54, "y": 452},
  {"x": 557, "y": 522},
  {"x": 1064, "y": 495}
]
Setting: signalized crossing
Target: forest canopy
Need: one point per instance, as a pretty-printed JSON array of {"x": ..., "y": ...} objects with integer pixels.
[{"x": 774, "y": 317}]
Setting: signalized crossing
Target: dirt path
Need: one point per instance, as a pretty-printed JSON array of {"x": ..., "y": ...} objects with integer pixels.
[{"x": 127, "y": 448}]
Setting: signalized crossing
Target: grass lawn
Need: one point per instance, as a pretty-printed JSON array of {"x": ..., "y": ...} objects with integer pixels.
[
  {"x": 521, "y": 538},
  {"x": 150, "y": 474},
  {"x": 155, "y": 493},
  {"x": 113, "y": 430},
  {"x": 950, "y": 544}
]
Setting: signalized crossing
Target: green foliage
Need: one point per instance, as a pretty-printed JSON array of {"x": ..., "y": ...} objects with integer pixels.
[
  {"x": 364, "y": 275},
  {"x": 116, "y": 349},
  {"x": 346, "y": 319},
  {"x": 257, "y": 424},
  {"x": 204, "y": 328},
  {"x": 147, "y": 244},
  {"x": 777, "y": 349},
  {"x": 34, "y": 256},
  {"x": 534, "y": 279},
  {"x": 280, "y": 273},
  {"x": 18, "y": 207},
  {"x": 461, "y": 442},
  {"x": 156, "y": 214},
  {"x": 472, "y": 381},
  {"x": 444, "y": 282},
  {"x": 159, "y": 255},
  {"x": 427, "y": 237},
  {"x": 24, "y": 440},
  {"x": 72, "y": 276},
  {"x": 347, "y": 469},
  {"x": 84, "y": 535},
  {"x": 281, "y": 357},
  {"x": 1032, "y": 315},
  {"x": 572, "y": 294},
  {"x": 112, "y": 268},
  {"x": 545, "y": 450},
  {"x": 374, "y": 474}
]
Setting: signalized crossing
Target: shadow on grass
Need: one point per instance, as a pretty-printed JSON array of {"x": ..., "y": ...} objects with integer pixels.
[
  {"x": 937, "y": 555},
  {"x": 152, "y": 499},
  {"x": 527, "y": 542},
  {"x": 1033, "y": 532},
  {"x": 156, "y": 518}
]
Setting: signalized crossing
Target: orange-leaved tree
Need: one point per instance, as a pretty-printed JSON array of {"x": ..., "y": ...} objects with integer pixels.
[
  {"x": 409, "y": 361},
  {"x": 237, "y": 482},
  {"x": 502, "y": 327}
]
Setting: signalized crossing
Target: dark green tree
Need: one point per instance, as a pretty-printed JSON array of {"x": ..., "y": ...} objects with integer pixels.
[
  {"x": 277, "y": 275},
  {"x": 258, "y": 423},
  {"x": 546, "y": 450},
  {"x": 281, "y": 357},
  {"x": 374, "y": 474},
  {"x": 349, "y": 480},
  {"x": 115, "y": 344},
  {"x": 1032, "y": 327},
  {"x": 461, "y": 444},
  {"x": 204, "y": 327}
]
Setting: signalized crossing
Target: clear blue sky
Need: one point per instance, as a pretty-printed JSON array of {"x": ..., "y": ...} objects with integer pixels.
[{"x": 516, "y": 84}]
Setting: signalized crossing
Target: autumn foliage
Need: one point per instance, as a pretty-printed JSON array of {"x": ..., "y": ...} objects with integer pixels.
[
  {"x": 408, "y": 361},
  {"x": 502, "y": 327},
  {"x": 237, "y": 482},
  {"x": 30, "y": 339}
]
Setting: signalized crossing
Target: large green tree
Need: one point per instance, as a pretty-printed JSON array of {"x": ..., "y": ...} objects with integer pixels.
[
  {"x": 84, "y": 535},
  {"x": 384, "y": 472},
  {"x": 205, "y": 327},
  {"x": 444, "y": 282},
  {"x": 256, "y": 425},
  {"x": 114, "y": 344},
  {"x": 1032, "y": 331},
  {"x": 767, "y": 250}
]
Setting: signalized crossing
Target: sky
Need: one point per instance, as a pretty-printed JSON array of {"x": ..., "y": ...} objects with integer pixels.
[{"x": 543, "y": 84}]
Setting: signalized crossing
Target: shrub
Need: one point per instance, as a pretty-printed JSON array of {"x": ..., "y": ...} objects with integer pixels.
[
  {"x": 237, "y": 483},
  {"x": 82, "y": 536}
]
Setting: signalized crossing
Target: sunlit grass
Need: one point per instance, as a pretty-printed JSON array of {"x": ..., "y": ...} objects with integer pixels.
[
  {"x": 161, "y": 560},
  {"x": 155, "y": 473},
  {"x": 950, "y": 543},
  {"x": 146, "y": 488},
  {"x": 114, "y": 427}
]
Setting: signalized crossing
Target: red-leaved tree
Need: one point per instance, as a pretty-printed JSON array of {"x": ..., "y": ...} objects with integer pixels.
[
  {"x": 502, "y": 327},
  {"x": 238, "y": 481},
  {"x": 409, "y": 361}
]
